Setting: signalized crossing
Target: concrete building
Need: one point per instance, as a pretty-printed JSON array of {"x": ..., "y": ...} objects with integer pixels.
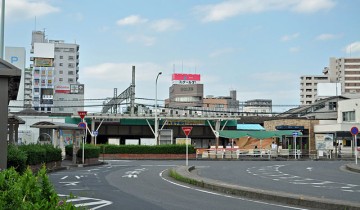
[
  {"x": 258, "y": 107},
  {"x": 55, "y": 75},
  {"x": 185, "y": 91},
  {"x": 16, "y": 56},
  {"x": 308, "y": 87},
  {"x": 342, "y": 71},
  {"x": 222, "y": 103}
]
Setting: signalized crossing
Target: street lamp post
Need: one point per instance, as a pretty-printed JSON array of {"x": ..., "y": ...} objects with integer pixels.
[{"x": 156, "y": 118}]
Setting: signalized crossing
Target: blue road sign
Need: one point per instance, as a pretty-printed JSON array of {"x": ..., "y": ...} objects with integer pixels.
[
  {"x": 354, "y": 130},
  {"x": 95, "y": 133},
  {"x": 295, "y": 133},
  {"x": 82, "y": 125}
]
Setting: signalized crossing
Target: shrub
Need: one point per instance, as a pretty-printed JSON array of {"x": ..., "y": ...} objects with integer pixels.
[
  {"x": 38, "y": 153},
  {"x": 90, "y": 151},
  {"x": 28, "y": 191},
  {"x": 16, "y": 158},
  {"x": 144, "y": 149}
]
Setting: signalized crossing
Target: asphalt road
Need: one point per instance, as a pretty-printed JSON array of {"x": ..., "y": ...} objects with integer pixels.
[
  {"x": 325, "y": 179},
  {"x": 142, "y": 185}
]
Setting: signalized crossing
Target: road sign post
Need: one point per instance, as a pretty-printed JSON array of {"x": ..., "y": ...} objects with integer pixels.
[
  {"x": 187, "y": 131},
  {"x": 294, "y": 136},
  {"x": 354, "y": 131},
  {"x": 82, "y": 115}
]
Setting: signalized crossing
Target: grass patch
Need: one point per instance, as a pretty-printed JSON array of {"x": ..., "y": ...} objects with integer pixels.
[{"x": 177, "y": 176}]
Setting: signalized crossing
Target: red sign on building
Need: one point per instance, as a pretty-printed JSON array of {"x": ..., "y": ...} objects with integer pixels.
[{"x": 186, "y": 77}]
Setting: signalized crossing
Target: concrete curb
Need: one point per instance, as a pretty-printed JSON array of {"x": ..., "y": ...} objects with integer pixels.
[
  {"x": 353, "y": 167},
  {"x": 259, "y": 194}
]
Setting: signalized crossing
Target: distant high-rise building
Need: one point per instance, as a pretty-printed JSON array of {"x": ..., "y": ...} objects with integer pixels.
[
  {"x": 185, "y": 91},
  {"x": 55, "y": 74},
  {"x": 344, "y": 72}
]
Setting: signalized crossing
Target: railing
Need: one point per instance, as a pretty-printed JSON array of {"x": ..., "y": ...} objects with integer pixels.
[{"x": 237, "y": 153}]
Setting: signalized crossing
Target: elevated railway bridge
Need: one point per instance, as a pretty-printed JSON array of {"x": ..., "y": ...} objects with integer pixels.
[{"x": 205, "y": 130}]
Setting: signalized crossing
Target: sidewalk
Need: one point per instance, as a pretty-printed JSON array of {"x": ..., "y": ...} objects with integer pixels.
[{"x": 67, "y": 164}]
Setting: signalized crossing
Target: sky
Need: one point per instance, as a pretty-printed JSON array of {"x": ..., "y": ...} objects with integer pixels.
[{"x": 259, "y": 48}]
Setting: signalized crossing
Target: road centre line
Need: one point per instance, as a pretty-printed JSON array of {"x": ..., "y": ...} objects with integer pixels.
[{"x": 223, "y": 195}]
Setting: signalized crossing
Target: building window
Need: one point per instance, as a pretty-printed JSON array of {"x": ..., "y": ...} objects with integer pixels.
[
  {"x": 70, "y": 80},
  {"x": 71, "y": 72},
  {"x": 71, "y": 57},
  {"x": 61, "y": 57},
  {"x": 348, "y": 116},
  {"x": 61, "y": 72},
  {"x": 61, "y": 108},
  {"x": 332, "y": 105},
  {"x": 61, "y": 79},
  {"x": 61, "y": 64}
]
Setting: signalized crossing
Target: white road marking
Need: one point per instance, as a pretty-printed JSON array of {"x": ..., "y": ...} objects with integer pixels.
[
  {"x": 227, "y": 196},
  {"x": 93, "y": 201},
  {"x": 309, "y": 168},
  {"x": 69, "y": 183},
  {"x": 78, "y": 177},
  {"x": 64, "y": 177}
]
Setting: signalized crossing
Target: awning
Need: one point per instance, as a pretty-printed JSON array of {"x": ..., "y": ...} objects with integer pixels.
[
  {"x": 56, "y": 125},
  {"x": 234, "y": 134},
  {"x": 248, "y": 127}
]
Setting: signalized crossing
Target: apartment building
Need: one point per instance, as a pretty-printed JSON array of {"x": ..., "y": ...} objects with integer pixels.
[
  {"x": 344, "y": 72},
  {"x": 308, "y": 87},
  {"x": 55, "y": 75}
]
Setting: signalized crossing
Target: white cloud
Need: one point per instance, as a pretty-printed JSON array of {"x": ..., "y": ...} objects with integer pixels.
[
  {"x": 353, "y": 48},
  {"x": 290, "y": 37},
  {"x": 326, "y": 37},
  {"x": 294, "y": 49},
  {"x": 166, "y": 25},
  {"x": 231, "y": 8},
  {"x": 309, "y": 6},
  {"x": 221, "y": 52},
  {"x": 145, "y": 40},
  {"x": 131, "y": 20},
  {"x": 28, "y": 9}
]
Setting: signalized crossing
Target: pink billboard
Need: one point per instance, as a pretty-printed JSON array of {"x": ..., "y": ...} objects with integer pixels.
[{"x": 186, "y": 77}]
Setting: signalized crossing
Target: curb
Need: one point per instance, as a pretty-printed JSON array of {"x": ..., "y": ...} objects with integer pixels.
[
  {"x": 353, "y": 167},
  {"x": 259, "y": 194}
]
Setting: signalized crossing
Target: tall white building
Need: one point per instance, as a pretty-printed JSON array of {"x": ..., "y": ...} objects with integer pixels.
[
  {"x": 55, "y": 74},
  {"x": 308, "y": 87},
  {"x": 344, "y": 72}
]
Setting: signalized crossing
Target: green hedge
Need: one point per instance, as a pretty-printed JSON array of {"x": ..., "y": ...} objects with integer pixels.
[
  {"x": 29, "y": 191},
  {"x": 16, "y": 158},
  {"x": 38, "y": 153},
  {"x": 21, "y": 156},
  {"x": 144, "y": 149},
  {"x": 90, "y": 151}
]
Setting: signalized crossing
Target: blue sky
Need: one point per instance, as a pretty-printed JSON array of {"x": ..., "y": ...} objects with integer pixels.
[{"x": 258, "y": 47}]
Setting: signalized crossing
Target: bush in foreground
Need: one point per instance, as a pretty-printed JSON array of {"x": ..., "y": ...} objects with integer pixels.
[{"x": 29, "y": 191}]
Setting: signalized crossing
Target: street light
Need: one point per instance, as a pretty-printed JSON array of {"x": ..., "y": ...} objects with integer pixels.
[{"x": 156, "y": 119}]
